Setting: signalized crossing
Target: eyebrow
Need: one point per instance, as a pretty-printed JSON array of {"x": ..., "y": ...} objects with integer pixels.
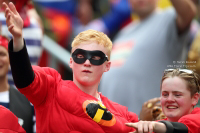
[{"x": 174, "y": 91}]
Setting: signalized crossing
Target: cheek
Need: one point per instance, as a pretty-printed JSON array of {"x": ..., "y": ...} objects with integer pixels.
[
  {"x": 162, "y": 101},
  {"x": 98, "y": 70},
  {"x": 75, "y": 67},
  {"x": 181, "y": 102},
  {"x": 5, "y": 59}
]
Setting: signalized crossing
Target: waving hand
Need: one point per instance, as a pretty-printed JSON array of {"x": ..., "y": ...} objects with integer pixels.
[{"x": 15, "y": 24}]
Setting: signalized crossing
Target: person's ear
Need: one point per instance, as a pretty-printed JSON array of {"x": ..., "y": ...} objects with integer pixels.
[
  {"x": 195, "y": 99},
  {"x": 108, "y": 65},
  {"x": 70, "y": 62}
]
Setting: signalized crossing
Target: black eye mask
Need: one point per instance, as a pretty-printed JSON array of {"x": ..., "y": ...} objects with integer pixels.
[{"x": 95, "y": 57}]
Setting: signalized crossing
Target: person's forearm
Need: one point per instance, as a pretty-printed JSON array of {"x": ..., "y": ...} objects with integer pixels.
[
  {"x": 22, "y": 71},
  {"x": 160, "y": 128},
  {"x": 186, "y": 11},
  {"x": 174, "y": 127},
  {"x": 18, "y": 44}
]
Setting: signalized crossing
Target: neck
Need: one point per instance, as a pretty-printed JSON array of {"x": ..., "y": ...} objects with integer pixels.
[
  {"x": 144, "y": 16},
  {"x": 90, "y": 89},
  {"x": 4, "y": 86}
]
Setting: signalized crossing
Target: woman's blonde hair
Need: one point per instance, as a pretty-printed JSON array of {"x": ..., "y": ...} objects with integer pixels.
[
  {"x": 189, "y": 76},
  {"x": 93, "y": 35}
]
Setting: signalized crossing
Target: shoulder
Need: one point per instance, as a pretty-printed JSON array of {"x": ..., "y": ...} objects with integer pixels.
[
  {"x": 191, "y": 119},
  {"x": 195, "y": 114},
  {"x": 6, "y": 114},
  {"x": 123, "y": 110},
  {"x": 168, "y": 11},
  {"x": 166, "y": 14},
  {"x": 47, "y": 72},
  {"x": 9, "y": 122}
]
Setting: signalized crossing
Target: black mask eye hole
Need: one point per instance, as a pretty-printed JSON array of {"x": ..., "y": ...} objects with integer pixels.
[
  {"x": 96, "y": 57},
  {"x": 80, "y": 56}
]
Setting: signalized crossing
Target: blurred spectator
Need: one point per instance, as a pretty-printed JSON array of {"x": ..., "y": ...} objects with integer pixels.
[
  {"x": 144, "y": 48},
  {"x": 9, "y": 122},
  {"x": 10, "y": 97},
  {"x": 109, "y": 23},
  {"x": 33, "y": 30},
  {"x": 194, "y": 54}
]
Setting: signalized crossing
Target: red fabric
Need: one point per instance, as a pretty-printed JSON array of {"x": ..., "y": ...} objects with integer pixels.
[
  {"x": 9, "y": 122},
  {"x": 192, "y": 121},
  {"x": 4, "y": 42},
  {"x": 19, "y": 4},
  {"x": 59, "y": 106},
  {"x": 25, "y": 17}
]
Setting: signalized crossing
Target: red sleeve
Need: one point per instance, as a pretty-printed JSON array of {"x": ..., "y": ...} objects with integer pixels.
[
  {"x": 42, "y": 90},
  {"x": 192, "y": 121},
  {"x": 9, "y": 122}
]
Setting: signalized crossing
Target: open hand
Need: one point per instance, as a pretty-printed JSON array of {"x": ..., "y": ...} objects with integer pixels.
[{"x": 13, "y": 20}]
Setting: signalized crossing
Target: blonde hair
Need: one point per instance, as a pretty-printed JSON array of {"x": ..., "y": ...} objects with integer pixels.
[
  {"x": 192, "y": 79},
  {"x": 93, "y": 35}
]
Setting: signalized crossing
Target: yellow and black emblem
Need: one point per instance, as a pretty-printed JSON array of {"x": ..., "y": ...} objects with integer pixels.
[{"x": 99, "y": 113}]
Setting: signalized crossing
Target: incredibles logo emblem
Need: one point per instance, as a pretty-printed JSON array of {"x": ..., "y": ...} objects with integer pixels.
[{"x": 99, "y": 113}]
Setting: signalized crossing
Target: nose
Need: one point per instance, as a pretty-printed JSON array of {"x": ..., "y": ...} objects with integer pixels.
[
  {"x": 170, "y": 98},
  {"x": 87, "y": 63}
]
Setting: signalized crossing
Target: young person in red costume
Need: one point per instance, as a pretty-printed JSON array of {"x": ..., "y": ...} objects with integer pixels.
[
  {"x": 68, "y": 106},
  {"x": 179, "y": 94},
  {"x": 9, "y": 122}
]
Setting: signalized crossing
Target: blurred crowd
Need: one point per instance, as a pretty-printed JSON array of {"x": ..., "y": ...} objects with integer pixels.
[{"x": 148, "y": 37}]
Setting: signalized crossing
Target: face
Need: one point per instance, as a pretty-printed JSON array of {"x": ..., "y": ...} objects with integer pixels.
[
  {"x": 84, "y": 11},
  {"x": 86, "y": 73},
  {"x": 143, "y": 7},
  {"x": 176, "y": 99},
  {"x": 4, "y": 62}
]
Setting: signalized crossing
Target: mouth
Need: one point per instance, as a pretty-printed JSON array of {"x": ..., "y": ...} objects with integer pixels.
[
  {"x": 86, "y": 71},
  {"x": 171, "y": 107}
]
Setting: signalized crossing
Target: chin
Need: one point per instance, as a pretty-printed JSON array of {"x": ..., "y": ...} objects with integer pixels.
[
  {"x": 86, "y": 82},
  {"x": 172, "y": 115}
]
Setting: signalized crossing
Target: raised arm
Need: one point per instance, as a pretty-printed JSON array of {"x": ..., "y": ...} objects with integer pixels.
[
  {"x": 19, "y": 60},
  {"x": 186, "y": 11},
  {"x": 15, "y": 25}
]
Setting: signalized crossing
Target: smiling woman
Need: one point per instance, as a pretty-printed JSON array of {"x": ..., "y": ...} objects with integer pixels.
[{"x": 179, "y": 95}]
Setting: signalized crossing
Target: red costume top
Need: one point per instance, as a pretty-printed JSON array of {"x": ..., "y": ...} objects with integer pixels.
[
  {"x": 191, "y": 121},
  {"x": 62, "y": 107},
  {"x": 9, "y": 122}
]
